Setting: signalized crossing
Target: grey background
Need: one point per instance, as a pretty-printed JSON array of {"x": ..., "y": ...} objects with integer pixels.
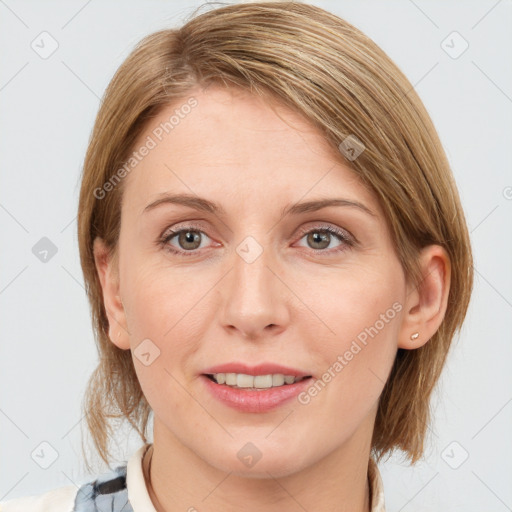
[{"x": 47, "y": 111}]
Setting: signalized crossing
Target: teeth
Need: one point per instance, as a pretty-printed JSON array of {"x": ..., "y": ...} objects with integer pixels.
[
  {"x": 230, "y": 379},
  {"x": 241, "y": 380},
  {"x": 277, "y": 379}
]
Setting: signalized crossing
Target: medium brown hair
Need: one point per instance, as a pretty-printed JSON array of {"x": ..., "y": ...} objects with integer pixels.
[{"x": 337, "y": 78}]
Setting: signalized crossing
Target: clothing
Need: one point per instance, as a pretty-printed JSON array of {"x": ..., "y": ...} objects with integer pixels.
[{"x": 123, "y": 489}]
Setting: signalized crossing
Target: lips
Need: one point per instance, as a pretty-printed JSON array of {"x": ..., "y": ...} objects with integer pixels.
[
  {"x": 240, "y": 394},
  {"x": 253, "y": 400}
]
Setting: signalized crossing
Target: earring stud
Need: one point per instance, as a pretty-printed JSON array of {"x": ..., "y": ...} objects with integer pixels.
[{"x": 414, "y": 336}]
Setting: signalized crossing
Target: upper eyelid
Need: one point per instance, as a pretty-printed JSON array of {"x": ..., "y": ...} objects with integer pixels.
[
  {"x": 323, "y": 225},
  {"x": 196, "y": 225}
]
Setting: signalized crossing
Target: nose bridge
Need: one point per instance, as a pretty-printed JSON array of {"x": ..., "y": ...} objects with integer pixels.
[
  {"x": 255, "y": 296},
  {"x": 251, "y": 273}
]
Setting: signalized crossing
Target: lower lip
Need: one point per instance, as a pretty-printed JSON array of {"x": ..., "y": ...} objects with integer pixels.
[{"x": 255, "y": 401}]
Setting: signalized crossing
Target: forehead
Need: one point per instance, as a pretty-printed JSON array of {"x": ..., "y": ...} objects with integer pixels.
[{"x": 236, "y": 145}]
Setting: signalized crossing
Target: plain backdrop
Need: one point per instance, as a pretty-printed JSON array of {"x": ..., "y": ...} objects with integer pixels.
[{"x": 458, "y": 57}]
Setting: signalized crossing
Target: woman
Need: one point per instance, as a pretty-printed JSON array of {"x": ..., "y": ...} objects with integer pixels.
[{"x": 276, "y": 259}]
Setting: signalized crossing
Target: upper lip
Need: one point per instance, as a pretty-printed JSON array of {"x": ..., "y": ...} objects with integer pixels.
[{"x": 259, "y": 369}]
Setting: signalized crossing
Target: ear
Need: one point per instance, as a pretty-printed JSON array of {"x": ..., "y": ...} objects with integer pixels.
[
  {"x": 107, "y": 268},
  {"x": 425, "y": 304}
]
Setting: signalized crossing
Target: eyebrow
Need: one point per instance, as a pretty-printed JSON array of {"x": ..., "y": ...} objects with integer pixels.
[{"x": 202, "y": 204}]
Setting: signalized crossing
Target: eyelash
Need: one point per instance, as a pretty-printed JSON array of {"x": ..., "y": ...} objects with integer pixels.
[{"x": 343, "y": 237}]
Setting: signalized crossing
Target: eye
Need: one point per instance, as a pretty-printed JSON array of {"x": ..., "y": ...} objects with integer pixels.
[
  {"x": 188, "y": 239},
  {"x": 320, "y": 237}
]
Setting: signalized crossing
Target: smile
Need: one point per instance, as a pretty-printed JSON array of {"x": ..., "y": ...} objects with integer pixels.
[{"x": 251, "y": 399}]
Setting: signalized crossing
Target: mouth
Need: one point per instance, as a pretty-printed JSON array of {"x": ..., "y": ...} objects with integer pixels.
[
  {"x": 260, "y": 393},
  {"x": 255, "y": 382}
]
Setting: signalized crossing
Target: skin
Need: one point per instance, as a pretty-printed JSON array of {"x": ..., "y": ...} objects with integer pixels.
[{"x": 301, "y": 303}]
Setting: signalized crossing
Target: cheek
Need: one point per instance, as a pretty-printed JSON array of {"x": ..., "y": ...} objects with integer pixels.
[
  {"x": 362, "y": 314},
  {"x": 161, "y": 297},
  {"x": 162, "y": 311},
  {"x": 171, "y": 309},
  {"x": 351, "y": 302}
]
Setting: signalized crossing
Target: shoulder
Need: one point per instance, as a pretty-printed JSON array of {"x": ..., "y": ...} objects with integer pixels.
[
  {"x": 106, "y": 492},
  {"x": 56, "y": 500}
]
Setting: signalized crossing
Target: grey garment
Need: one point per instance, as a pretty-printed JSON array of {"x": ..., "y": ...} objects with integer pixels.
[{"x": 108, "y": 493}]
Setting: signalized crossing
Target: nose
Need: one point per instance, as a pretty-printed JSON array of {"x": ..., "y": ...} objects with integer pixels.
[{"x": 255, "y": 298}]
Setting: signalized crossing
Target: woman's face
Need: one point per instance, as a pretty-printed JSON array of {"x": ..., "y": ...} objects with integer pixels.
[{"x": 248, "y": 285}]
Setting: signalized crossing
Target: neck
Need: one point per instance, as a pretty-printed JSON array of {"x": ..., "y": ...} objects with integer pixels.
[{"x": 178, "y": 480}]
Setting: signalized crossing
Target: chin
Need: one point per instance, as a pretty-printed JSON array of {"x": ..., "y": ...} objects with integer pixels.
[{"x": 249, "y": 461}]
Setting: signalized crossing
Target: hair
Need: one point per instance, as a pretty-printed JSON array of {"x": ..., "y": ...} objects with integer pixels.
[{"x": 340, "y": 81}]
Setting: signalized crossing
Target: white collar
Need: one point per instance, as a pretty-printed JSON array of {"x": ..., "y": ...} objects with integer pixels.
[{"x": 138, "y": 494}]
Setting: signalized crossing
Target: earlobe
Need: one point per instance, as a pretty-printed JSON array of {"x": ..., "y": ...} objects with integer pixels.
[
  {"x": 425, "y": 304},
  {"x": 106, "y": 266}
]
